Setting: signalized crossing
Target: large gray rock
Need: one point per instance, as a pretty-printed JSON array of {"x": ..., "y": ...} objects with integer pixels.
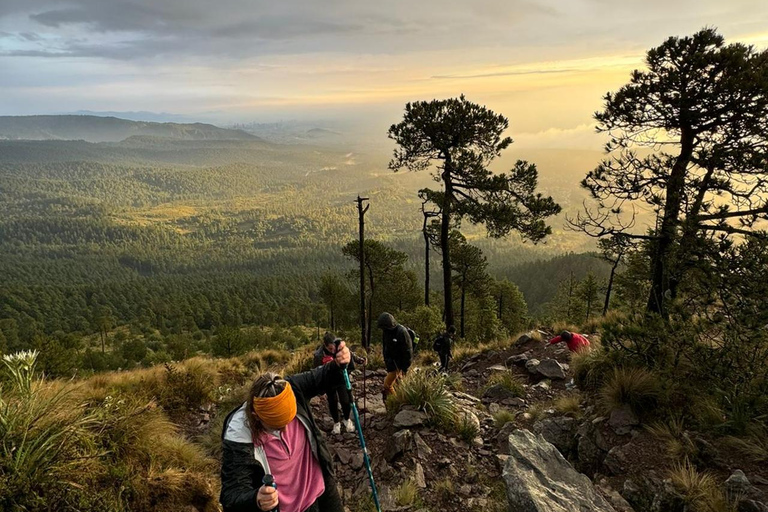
[
  {"x": 623, "y": 419},
  {"x": 539, "y": 479},
  {"x": 551, "y": 369},
  {"x": 653, "y": 494},
  {"x": 399, "y": 443},
  {"x": 408, "y": 419},
  {"x": 560, "y": 431}
]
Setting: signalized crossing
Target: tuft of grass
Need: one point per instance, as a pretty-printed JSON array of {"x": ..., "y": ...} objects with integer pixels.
[
  {"x": 503, "y": 417},
  {"x": 569, "y": 405},
  {"x": 455, "y": 382},
  {"x": 700, "y": 491},
  {"x": 508, "y": 380},
  {"x": 672, "y": 433},
  {"x": 462, "y": 353},
  {"x": 272, "y": 357},
  {"x": 445, "y": 487},
  {"x": 407, "y": 494},
  {"x": 591, "y": 368},
  {"x": 466, "y": 429},
  {"x": 426, "y": 358},
  {"x": 754, "y": 445},
  {"x": 536, "y": 411},
  {"x": 635, "y": 387},
  {"x": 429, "y": 394}
]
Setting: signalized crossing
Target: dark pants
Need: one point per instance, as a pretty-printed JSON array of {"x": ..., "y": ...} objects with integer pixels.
[
  {"x": 336, "y": 395},
  {"x": 445, "y": 360}
]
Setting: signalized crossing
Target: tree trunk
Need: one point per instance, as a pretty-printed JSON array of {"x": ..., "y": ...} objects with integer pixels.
[
  {"x": 445, "y": 231},
  {"x": 463, "y": 295},
  {"x": 426, "y": 262},
  {"x": 610, "y": 286},
  {"x": 661, "y": 261}
]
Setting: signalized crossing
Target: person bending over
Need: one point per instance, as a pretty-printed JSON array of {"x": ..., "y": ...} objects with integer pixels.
[
  {"x": 274, "y": 433},
  {"x": 576, "y": 342},
  {"x": 337, "y": 393}
]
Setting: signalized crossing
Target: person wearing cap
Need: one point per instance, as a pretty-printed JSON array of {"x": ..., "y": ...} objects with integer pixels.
[
  {"x": 576, "y": 342},
  {"x": 337, "y": 393},
  {"x": 397, "y": 348},
  {"x": 274, "y": 433}
]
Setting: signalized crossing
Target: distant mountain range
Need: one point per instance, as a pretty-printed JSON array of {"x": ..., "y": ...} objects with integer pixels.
[{"x": 108, "y": 129}]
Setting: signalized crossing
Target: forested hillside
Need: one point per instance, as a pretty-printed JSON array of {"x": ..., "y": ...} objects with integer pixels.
[
  {"x": 176, "y": 237},
  {"x": 104, "y": 129}
]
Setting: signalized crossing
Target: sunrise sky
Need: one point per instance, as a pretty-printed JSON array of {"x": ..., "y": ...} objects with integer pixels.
[{"x": 543, "y": 63}]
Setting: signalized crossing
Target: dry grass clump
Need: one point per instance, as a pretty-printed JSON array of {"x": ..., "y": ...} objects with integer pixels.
[
  {"x": 635, "y": 387},
  {"x": 672, "y": 432},
  {"x": 503, "y": 417},
  {"x": 69, "y": 446},
  {"x": 569, "y": 405},
  {"x": 407, "y": 494},
  {"x": 700, "y": 491},
  {"x": 508, "y": 380}
]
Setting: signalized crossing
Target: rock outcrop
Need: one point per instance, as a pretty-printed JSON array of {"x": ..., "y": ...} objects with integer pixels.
[{"x": 539, "y": 479}]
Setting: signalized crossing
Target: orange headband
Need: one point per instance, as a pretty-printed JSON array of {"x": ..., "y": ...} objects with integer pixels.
[{"x": 275, "y": 412}]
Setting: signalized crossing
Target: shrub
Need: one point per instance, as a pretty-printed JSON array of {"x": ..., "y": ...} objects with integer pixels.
[
  {"x": 508, "y": 380},
  {"x": 187, "y": 387},
  {"x": 429, "y": 394},
  {"x": 635, "y": 387},
  {"x": 301, "y": 361}
]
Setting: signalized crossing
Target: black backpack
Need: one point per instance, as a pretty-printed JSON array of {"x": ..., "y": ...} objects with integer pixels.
[{"x": 414, "y": 337}]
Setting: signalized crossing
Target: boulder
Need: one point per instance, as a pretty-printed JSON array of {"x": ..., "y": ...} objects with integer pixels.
[
  {"x": 622, "y": 420},
  {"x": 519, "y": 359},
  {"x": 422, "y": 448},
  {"x": 493, "y": 408},
  {"x": 543, "y": 385},
  {"x": 497, "y": 368},
  {"x": 590, "y": 454},
  {"x": 514, "y": 402},
  {"x": 498, "y": 392},
  {"x": 419, "y": 478},
  {"x": 551, "y": 369},
  {"x": 532, "y": 365},
  {"x": 560, "y": 431},
  {"x": 613, "y": 497},
  {"x": 737, "y": 485},
  {"x": 470, "y": 417},
  {"x": 399, "y": 443},
  {"x": 522, "y": 340},
  {"x": 616, "y": 460},
  {"x": 409, "y": 419},
  {"x": 652, "y": 494},
  {"x": 539, "y": 479},
  {"x": 373, "y": 405}
]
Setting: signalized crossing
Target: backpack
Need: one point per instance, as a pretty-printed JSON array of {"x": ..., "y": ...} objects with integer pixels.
[{"x": 414, "y": 337}]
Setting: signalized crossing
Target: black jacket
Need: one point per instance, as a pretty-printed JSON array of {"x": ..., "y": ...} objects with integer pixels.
[
  {"x": 443, "y": 344},
  {"x": 243, "y": 464},
  {"x": 397, "y": 348}
]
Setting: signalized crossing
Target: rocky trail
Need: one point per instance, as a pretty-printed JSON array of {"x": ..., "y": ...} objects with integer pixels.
[{"x": 548, "y": 458}]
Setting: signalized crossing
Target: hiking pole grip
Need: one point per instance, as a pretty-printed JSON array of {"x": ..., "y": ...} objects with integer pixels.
[{"x": 269, "y": 481}]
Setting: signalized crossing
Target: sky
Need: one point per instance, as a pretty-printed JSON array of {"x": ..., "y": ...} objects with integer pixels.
[{"x": 545, "y": 64}]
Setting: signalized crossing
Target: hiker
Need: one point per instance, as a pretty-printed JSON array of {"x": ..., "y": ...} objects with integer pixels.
[
  {"x": 443, "y": 345},
  {"x": 576, "y": 342},
  {"x": 274, "y": 433},
  {"x": 337, "y": 393},
  {"x": 397, "y": 348}
]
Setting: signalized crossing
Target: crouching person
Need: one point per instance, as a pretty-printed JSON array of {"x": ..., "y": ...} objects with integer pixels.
[{"x": 274, "y": 433}]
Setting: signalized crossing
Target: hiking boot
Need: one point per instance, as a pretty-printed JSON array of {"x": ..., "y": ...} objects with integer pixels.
[
  {"x": 349, "y": 426},
  {"x": 336, "y": 429}
]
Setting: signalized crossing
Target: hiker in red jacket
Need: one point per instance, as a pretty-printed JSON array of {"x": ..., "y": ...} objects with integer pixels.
[{"x": 576, "y": 342}]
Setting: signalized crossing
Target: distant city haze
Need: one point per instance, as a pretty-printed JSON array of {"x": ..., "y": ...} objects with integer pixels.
[{"x": 345, "y": 65}]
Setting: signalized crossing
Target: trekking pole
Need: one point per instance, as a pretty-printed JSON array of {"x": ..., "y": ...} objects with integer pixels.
[{"x": 366, "y": 457}]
